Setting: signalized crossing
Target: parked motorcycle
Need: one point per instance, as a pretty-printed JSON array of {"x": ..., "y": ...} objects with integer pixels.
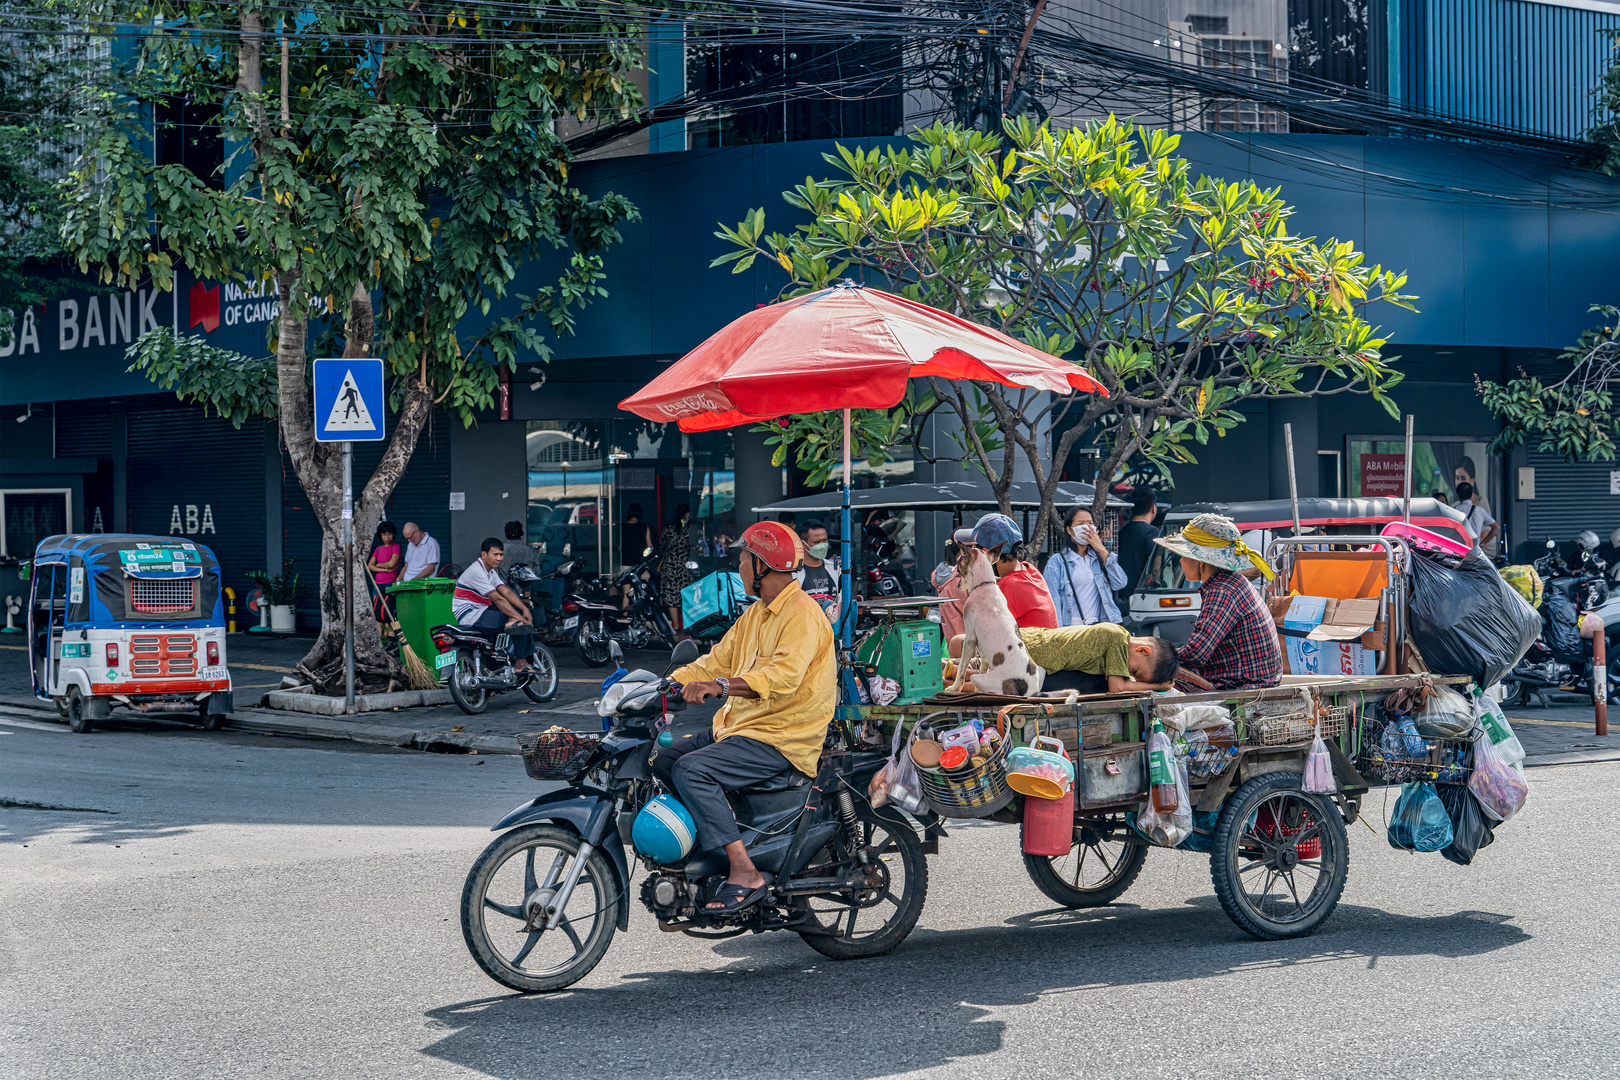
[
  {"x": 642, "y": 623},
  {"x": 542, "y": 903},
  {"x": 1560, "y": 659},
  {"x": 482, "y": 665}
]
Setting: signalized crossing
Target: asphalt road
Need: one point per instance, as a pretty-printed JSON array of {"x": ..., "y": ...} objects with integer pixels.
[{"x": 221, "y": 905}]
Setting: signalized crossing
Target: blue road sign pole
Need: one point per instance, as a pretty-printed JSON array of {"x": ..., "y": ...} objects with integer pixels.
[{"x": 348, "y": 577}]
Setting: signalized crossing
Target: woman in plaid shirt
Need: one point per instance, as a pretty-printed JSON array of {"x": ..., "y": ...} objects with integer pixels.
[{"x": 1234, "y": 642}]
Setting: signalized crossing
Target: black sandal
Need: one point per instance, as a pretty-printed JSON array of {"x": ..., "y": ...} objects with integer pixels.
[{"x": 735, "y": 898}]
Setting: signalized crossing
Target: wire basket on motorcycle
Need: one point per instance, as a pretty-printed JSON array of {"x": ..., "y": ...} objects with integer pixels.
[{"x": 556, "y": 754}]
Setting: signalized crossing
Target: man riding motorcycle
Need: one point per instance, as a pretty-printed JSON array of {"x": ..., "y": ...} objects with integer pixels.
[{"x": 776, "y": 672}]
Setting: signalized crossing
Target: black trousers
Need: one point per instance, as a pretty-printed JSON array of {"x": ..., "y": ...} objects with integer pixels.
[
  {"x": 493, "y": 621},
  {"x": 702, "y": 770},
  {"x": 1083, "y": 681}
]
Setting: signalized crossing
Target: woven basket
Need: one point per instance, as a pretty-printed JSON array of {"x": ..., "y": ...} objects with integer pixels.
[{"x": 556, "y": 755}]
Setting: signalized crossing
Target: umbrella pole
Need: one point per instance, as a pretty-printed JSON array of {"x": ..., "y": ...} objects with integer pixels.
[{"x": 846, "y": 620}]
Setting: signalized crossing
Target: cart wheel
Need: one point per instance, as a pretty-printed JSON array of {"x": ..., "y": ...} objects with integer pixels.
[
  {"x": 1096, "y": 871},
  {"x": 1280, "y": 857},
  {"x": 77, "y": 717}
]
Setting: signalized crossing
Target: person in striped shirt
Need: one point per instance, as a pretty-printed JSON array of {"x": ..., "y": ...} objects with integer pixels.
[{"x": 484, "y": 601}]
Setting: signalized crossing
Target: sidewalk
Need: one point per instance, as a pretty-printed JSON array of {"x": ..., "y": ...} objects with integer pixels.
[{"x": 259, "y": 662}]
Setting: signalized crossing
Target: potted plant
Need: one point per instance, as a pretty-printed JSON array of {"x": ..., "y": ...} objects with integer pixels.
[{"x": 280, "y": 594}]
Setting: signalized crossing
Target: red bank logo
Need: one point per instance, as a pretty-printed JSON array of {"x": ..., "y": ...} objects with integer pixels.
[{"x": 204, "y": 307}]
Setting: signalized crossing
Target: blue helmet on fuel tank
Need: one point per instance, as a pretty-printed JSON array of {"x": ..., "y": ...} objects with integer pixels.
[{"x": 664, "y": 831}]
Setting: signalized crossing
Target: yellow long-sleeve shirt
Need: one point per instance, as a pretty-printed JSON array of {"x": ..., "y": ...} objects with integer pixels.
[{"x": 784, "y": 650}]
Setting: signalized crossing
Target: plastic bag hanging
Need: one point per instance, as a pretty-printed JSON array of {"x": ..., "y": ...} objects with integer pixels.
[
  {"x": 1319, "y": 778},
  {"x": 1499, "y": 786},
  {"x": 897, "y": 781},
  {"x": 1496, "y": 727},
  {"x": 1419, "y": 821}
]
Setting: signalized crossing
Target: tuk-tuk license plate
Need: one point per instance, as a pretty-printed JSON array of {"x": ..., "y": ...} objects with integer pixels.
[
  {"x": 443, "y": 660},
  {"x": 215, "y": 674},
  {"x": 571, "y": 622}
]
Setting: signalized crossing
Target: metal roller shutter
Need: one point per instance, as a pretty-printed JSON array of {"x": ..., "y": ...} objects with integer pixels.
[
  {"x": 1569, "y": 498},
  {"x": 197, "y": 476},
  {"x": 83, "y": 430}
]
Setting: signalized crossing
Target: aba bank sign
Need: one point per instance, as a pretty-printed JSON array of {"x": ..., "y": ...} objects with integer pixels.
[{"x": 117, "y": 319}]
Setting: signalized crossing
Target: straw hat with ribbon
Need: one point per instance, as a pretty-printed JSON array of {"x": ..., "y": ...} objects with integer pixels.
[{"x": 1213, "y": 539}]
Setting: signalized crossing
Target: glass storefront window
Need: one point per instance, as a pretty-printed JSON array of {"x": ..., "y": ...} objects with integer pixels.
[
  {"x": 1377, "y": 467},
  {"x": 588, "y": 478}
]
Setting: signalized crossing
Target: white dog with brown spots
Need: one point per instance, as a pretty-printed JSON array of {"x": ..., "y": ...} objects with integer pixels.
[{"x": 991, "y": 634}]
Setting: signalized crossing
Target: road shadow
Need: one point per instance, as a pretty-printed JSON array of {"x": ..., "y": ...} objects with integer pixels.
[{"x": 778, "y": 1008}]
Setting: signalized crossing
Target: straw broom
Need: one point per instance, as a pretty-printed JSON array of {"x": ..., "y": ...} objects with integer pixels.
[{"x": 418, "y": 676}]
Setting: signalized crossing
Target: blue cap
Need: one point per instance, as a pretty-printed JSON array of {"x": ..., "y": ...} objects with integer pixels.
[{"x": 997, "y": 531}]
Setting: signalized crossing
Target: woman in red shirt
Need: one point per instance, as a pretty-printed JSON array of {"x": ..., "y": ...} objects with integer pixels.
[{"x": 1021, "y": 583}]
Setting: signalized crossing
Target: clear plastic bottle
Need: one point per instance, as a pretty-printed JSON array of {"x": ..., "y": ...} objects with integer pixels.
[{"x": 1162, "y": 771}]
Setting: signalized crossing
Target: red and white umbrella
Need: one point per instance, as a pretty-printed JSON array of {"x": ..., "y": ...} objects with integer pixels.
[{"x": 846, "y": 347}]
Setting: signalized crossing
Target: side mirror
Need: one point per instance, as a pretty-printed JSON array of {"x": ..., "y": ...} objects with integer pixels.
[
  {"x": 686, "y": 651},
  {"x": 615, "y": 653}
]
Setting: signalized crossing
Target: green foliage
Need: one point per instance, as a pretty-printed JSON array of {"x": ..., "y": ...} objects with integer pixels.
[
  {"x": 43, "y": 77},
  {"x": 281, "y": 590},
  {"x": 418, "y": 163},
  {"x": 1182, "y": 295},
  {"x": 816, "y": 440},
  {"x": 1606, "y": 131},
  {"x": 224, "y": 382},
  {"x": 1572, "y": 415}
]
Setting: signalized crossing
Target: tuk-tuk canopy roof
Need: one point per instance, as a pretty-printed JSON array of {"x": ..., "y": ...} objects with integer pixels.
[
  {"x": 953, "y": 495},
  {"x": 102, "y": 549},
  {"x": 1279, "y": 514}
]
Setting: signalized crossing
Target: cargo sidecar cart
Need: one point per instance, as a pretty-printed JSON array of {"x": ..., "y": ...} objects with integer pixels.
[
  {"x": 1279, "y": 856},
  {"x": 129, "y": 620}
]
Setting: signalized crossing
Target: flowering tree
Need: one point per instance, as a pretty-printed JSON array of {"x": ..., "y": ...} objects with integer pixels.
[{"x": 1183, "y": 296}]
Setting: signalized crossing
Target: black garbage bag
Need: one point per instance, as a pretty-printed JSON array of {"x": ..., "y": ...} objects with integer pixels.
[
  {"x": 1561, "y": 621},
  {"x": 1470, "y": 828},
  {"x": 1466, "y": 620}
]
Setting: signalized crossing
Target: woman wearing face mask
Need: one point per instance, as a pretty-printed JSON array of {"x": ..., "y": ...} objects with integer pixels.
[
  {"x": 1478, "y": 519},
  {"x": 1084, "y": 577}
]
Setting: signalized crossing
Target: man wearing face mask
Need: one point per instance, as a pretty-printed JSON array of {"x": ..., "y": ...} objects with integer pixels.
[{"x": 819, "y": 576}]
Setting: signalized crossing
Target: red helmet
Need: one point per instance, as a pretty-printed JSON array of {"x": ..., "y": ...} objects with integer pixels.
[{"x": 774, "y": 544}]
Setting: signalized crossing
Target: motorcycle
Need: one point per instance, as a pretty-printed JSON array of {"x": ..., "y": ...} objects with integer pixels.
[
  {"x": 1560, "y": 659},
  {"x": 542, "y": 903},
  {"x": 483, "y": 665},
  {"x": 643, "y": 623},
  {"x": 552, "y": 626}
]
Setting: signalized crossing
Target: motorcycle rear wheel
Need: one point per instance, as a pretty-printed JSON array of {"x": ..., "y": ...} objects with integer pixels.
[
  {"x": 534, "y": 858},
  {"x": 470, "y": 700},
  {"x": 542, "y": 686},
  {"x": 839, "y": 932},
  {"x": 592, "y": 643}
]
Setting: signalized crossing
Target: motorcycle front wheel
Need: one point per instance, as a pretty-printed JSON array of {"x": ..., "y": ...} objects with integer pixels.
[
  {"x": 505, "y": 904},
  {"x": 592, "y": 643},
  {"x": 872, "y": 920},
  {"x": 470, "y": 698},
  {"x": 542, "y": 685}
]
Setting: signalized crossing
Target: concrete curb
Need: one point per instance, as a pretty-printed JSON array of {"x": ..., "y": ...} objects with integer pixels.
[
  {"x": 304, "y": 701},
  {"x": 269, "y": 722}
]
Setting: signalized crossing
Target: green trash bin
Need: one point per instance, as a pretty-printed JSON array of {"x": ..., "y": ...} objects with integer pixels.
[{"x": 421, "y": 605}]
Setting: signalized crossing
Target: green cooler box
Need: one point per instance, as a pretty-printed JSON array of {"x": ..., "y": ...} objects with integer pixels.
[
  {"x": 908, "y": 652},
  {"x": 421, "y": 605}
]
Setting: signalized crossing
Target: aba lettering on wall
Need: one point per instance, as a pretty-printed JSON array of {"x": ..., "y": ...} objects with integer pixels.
[{"x": 191, "y": 520}]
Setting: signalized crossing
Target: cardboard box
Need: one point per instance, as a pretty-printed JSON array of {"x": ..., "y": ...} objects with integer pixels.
[{"x": 1324, "y": 636}]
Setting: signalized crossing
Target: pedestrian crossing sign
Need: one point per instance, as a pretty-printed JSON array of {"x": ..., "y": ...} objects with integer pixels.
[{"x": 349, "y": 400}]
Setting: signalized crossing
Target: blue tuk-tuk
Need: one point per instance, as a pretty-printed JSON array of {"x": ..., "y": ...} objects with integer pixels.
[{"x": 123, "y": 619}]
